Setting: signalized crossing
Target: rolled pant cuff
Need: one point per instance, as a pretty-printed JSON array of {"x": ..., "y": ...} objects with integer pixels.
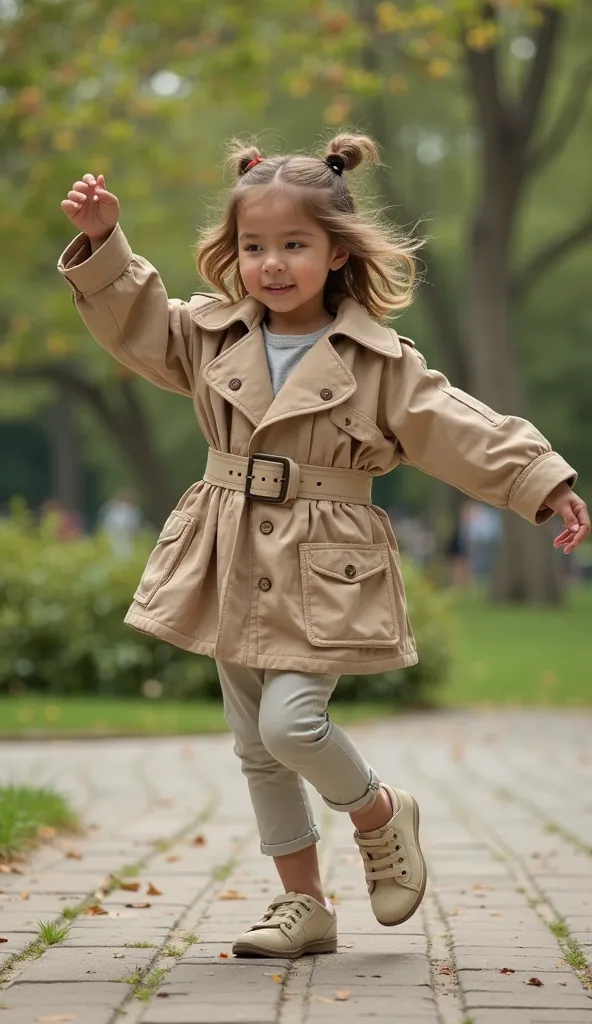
[
  {"x": 281, "y": 849},
  {"x": 367, "y": 798}
]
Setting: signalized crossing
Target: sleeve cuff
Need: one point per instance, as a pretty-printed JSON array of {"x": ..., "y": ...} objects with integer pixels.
[
  {"x": 88, "y": 272},
  {"x": 535, "y": 483}
]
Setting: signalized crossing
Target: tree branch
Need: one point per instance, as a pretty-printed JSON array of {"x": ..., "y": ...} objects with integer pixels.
[
  {"x": 544, "y": 260},
  {"x": 69, "y": 379},
  {"x": 483, "y": 69},
  {"x": 537, "y": 79},
  {"x": 566, "y": 121}
]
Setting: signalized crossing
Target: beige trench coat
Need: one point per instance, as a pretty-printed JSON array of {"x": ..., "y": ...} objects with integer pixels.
[{"x": 201, "y": 587}]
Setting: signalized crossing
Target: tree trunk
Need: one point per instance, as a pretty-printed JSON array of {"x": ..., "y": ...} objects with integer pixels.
[
  {"x": 135, "y": 441},
  {"x": 66, "y": 466}
]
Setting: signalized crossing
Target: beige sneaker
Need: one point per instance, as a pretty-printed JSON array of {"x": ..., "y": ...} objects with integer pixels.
[
  {"x": 292, "y": 925},
  {"x": 395, "y": 869}
]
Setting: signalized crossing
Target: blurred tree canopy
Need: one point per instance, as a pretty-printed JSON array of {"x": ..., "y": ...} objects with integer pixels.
[{"x": 482, "y": 113}]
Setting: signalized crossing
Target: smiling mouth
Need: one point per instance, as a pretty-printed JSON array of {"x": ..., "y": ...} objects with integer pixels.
[{"x": 278, "y": 287}]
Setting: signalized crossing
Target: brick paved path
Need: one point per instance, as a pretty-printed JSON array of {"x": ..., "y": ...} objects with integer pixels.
[{"x": 507, "y": 824}]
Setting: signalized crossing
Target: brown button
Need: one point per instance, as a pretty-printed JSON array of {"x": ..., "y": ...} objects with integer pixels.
[
  {"x": 326, "y": 394},
  {"x": 350, "y": 571},
  {"x": 235, "y": 384},
  {"x": 266, "y": 526},
  {"x": 264, "y": 583}
]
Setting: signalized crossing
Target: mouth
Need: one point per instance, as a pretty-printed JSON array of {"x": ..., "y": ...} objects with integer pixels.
[{"x": 278, "y": 289}]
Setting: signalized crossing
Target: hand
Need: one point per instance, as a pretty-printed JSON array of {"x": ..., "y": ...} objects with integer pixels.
[
  {"x": 92, "y": 209},
  {"x": 574, "y": 513}
]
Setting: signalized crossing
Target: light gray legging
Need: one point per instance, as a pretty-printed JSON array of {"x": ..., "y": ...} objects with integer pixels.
[{"x": 283, "y": 734}]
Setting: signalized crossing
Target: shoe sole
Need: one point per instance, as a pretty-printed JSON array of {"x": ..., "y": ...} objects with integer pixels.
[
  {"x": 420, "y": 894},
  {"x": 322, "y": 946}
]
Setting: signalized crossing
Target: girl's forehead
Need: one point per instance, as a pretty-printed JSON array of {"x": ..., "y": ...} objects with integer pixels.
[{"x": 271, "y": 210}]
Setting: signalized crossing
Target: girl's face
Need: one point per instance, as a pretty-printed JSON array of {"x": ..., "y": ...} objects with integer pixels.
[{"x": 284, "y": 255}]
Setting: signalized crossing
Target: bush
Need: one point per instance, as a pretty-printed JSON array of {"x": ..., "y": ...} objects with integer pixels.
[{"x": 62, "y": 605}]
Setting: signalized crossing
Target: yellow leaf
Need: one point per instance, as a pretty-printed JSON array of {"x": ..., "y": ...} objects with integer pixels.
[
  {"x": 232, "y": 894},
  {"x": 94, "y": 911},
  {"x": 338, "y": 111},
  {"x": 397, "y": 84},
  {"x": 438, "y": 68},
  {"x": 152, "y": 890},
  {"x": 342, "y": 994},
  {"x": 63, "y": 141}
]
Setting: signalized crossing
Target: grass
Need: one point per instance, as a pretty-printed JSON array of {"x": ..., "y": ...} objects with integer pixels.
[
  {"x": 573, "y": 954},
  {"x": 25, "y": 811},
  {"x": 109, "y": 716},
  {"x": 52, "y": 932},
  {"x": 502, "y": 655},
  {"x": 510, "y": 654}
]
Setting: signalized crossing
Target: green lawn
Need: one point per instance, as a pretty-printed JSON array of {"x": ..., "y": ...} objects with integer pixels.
[
  {"x": 108, "y": 716},
  {"x": 503, "y": 655},
  {"x": 510, "y": 654},
  {"x": 25, "y": 812}
]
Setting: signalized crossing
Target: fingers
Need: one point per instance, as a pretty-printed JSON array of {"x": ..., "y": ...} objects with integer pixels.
[{"x": 70, "y": 208}]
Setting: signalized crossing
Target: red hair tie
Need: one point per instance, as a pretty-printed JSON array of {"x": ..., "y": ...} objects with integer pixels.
[{"x": 252, "y": 163}]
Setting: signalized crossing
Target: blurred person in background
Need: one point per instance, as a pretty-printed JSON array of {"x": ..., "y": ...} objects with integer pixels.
[{"x": 121, "y": 519}]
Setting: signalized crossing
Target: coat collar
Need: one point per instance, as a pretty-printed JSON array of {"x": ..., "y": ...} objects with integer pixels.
[
  {"x": 352, "y": 320},
  {"x": 321, "y": 380}
]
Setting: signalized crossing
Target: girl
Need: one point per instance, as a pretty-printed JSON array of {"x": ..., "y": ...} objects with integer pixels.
[{"x": 277, "y": 564}]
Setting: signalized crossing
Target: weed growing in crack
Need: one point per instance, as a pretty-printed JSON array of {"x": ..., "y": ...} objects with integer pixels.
[{"x": 52, "y": 932}]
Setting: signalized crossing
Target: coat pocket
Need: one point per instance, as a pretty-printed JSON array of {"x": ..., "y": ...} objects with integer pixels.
[
  {"x": 356, "y": 424},
  {"x": 170, "y": 547},
  {"x": 348, "y": 595}
]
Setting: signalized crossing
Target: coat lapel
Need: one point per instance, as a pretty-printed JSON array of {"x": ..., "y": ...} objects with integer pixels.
[{"x": 244, "y": 363}]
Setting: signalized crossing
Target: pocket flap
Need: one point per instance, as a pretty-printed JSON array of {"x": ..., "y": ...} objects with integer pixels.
[
  {"x": 348, "y": 565},
  {"x": 356, "y": 424},
  {"x": 174, "y": 526}
]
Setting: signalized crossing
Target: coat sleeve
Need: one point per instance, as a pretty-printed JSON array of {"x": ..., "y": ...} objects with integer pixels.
[
  {"x": 501, "y": 460},
  {"x": 124, "y": 304}
]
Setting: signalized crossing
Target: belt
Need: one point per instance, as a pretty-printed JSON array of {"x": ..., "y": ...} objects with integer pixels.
[{"x": 277, "y": 479}]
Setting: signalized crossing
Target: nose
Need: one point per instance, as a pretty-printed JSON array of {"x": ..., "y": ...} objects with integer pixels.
[{"x": 273, "y": 262}]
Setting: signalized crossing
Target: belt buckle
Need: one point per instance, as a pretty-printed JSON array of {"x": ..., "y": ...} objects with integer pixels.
[{"x": 282, "y": 461}]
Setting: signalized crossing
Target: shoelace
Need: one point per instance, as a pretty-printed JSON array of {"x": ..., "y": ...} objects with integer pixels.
[
  {"x": 285, "y": 910},
  {"x": 384, "y": 857}
]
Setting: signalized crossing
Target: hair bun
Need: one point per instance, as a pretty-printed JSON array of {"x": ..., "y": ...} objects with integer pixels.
[
  {"x": 352, "y": 150},
  {"x": 240, "y": 156}
]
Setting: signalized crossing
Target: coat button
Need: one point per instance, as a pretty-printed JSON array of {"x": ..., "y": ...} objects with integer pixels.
[
  {"x": 350, "y": 571},
  {"x": 326, "y": 394},
  {"x": 266, "y": 526},
  {"x": 235, "y": 384},
  {"x": 264, "y": 583}
]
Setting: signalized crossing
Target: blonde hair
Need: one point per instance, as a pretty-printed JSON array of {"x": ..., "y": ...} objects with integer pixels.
[{"x": 380, "y": 270}]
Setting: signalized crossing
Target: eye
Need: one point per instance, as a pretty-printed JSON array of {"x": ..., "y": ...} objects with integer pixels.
[
  {"x": 299, "y": 245},
  {"x": 252, "y": 247}
]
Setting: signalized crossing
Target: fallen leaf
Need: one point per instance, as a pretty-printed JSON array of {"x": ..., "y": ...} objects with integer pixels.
[
  {"x": 171, "y": 860},
  {"x": 232, "y": 894},
  {"x": 446, "y": 969},
  {"x": 534, "y": 981},
  {"x": 138, "y": 906},
  {"x": 162, "y": 995},
  {"x": 223, "y": 956},
  {"x": 119, "y": 956},
  {"x": 152, "y": 890},
  {"x": 25, "y": 895},
  {"x": 55, "y": 1017},
  {"x": 275, "y": 977},
  {"x": 496, "y": 914},
  {"x": 507, "y": 970},
  {"x": 46, "y": 832},
  {"x": 94, "y": 910},
  {"x": 3, "y": 940},
  {"x": 74, "y": 855},
  {"x": 130, "y": 886},
  {"x": 199, "y": 841},
  {"x": 342, "y": 994}
]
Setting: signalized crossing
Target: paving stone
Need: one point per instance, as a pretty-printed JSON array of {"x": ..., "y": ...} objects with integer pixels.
[
  {"x": 90, "y": 965},
  {"x": 469, "y": 756},
  {"x": 65, "y": 994}
]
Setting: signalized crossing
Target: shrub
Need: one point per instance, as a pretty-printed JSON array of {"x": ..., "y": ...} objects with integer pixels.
[{"x": 62, "y": 605}]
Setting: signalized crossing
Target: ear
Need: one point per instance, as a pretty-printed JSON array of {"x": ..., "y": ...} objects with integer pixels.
[{"x": 340, "y": 258}]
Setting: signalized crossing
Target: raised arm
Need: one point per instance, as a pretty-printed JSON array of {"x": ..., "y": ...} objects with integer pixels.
[{"x": 121, "y": 297}]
